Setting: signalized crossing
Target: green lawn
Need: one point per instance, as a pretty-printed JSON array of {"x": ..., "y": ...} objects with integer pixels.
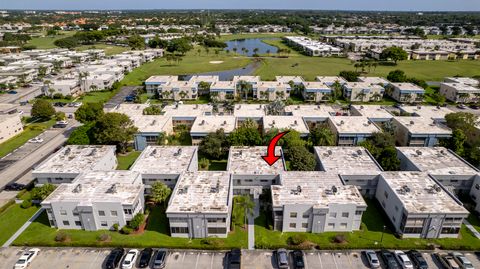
[
  {"x": 30, "y": 131},
  {"x": 156, "y": 234},
  {"x": 12, "y": 219},
  {"x": 125, "y": 161},
  {"x": 216, "y": 165},
  {"x": 310, "y": 67},
  {"x": 109, "y": 49},
  {"x": 368, "y": 237},
  {"x": 99, "y": 96},
  {"x": 192, "y": 63},
  {"x": 47, "y": 41}
]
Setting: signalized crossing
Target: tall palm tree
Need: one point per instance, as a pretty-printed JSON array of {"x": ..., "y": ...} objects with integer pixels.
[
  {"x": 463, "y": 97},
  {"x": 82, "y": 76},
  {"x": 235, "y": 50},
  {"x": 248, "y": 205},
  {"x": 376, "y": 96},
  {"x": 323, "y": 136},
  {"x": 361, "y": 95}
]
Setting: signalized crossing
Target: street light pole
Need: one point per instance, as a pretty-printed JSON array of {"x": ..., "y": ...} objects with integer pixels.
[{"x": 383, "y": 231}]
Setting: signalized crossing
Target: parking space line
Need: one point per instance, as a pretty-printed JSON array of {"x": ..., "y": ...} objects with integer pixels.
[
  {"x": 320, "y": 260},
  {"x": 183, "y": 257},
  {"x": 334, "y": 260},
  {"x": 196, "y": 262},
  {"x": 94, "y": 260},
  {"x": 349, "y": 260},
  {"x": 211, "y": 261}
]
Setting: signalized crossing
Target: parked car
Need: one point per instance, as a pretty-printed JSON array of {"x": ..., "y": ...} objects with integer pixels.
[
  {"x": 462, "y": 260},
  {"x": 389, "y": 260},
  {"x": 145, "y": 257},
  {"x": 282, "y": 259},
  {"x": 372, "y": 259},
  {"x": 446, "y": 260},
  {"x": 15, "y": 187},
  {"x": 35, "y": 140},
  {"x": 298, "y": 261},
  {"x": 113, "y": 259},
  {"x": 234, "y": 259},
  {"x": 159, "y": 259},
  {"x": 461, "y": 106},
  {"x": 26, "y": 258},
  {"x": 417, "y": 259},
  {"x": 476, "y": 107},
  {"x": 130, "y": 258},
  {"x": 12, "y": 92},
  {"x": 403, "y": 259},
  {"x": 61, "y": 124}
]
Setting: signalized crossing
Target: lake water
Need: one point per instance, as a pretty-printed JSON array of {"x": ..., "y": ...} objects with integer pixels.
[
  {"x": 250, "y": 44},
  {"x": 228, "y": 74}
]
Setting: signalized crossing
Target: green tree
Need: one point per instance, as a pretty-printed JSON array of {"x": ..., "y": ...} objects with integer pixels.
[
  {"x": 397, "y": 76},
  {"x": 244, "y": 207},
  {"x": 300, "y": 159},
  {"x": 214, "y": 145},
  {"x": 351, "y": 76},
  {"x": 388, "y": 159},
  {"x": 394, "y": 53},
  {"x": 42, "y": 109},
  {"x": 245, "y": 136},
  {"x": 81, "y": 135},
  {"x": 137, "y": 221},
  {"x": 292, "y": 139},
  {"x": 153, "y": 110},
  {"x": 67, "y": 42},
  {"x": 457, "y": 142},
  {"x": 114, "y": 129},
  {"x": 59, "y": 116},
  {"x": 180, "y": 45},
  {"x": 136, "y": 42},
  {"x": 40, "y": 193},
  {"x": 322, "y": 136},
  {"x": 160, "y": 193},
  {"x": 465, "y": 122},
  {"x": 89, "y": 112}
]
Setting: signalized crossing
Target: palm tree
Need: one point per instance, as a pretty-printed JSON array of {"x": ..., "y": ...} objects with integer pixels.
[
  {"x": 376, "y": 96},
  {"x": 361, "y": 95},
  {"x": 235, "y": 50},
  {"x": 243, "y": 88},
  {"x": 268, "y": 52},
  {"x": 82, "y": 76},
  {"x": 248, "y": 205},
  {"x": 182, "y": 94},
  {"x": 322, "y": 136},
  {"x": 463, "y": 97},
  {"x": 255, "y": 50},
  {"x": 337, "y": 90},
  {"x": 166, "y": 94}
]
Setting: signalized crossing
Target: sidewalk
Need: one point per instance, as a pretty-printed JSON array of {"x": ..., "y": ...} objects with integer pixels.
[
  {"x": 251, "y": 225},
  {"x": 471, "y": 228},
  {"x": 23, "y": 228}
]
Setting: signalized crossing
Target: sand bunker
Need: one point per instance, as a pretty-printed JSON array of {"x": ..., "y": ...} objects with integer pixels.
[{"x": 216, "y": 62}]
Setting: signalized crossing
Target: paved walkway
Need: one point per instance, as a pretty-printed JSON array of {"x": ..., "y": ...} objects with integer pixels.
[
  {"x": 251, "y": 225},
  {"x": 471, "y": 228},
  {"x": 23, "y": 228}
]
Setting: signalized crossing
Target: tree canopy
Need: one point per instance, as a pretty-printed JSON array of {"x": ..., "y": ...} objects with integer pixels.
[
  {"x": 89, "y": 112},
  {"x": 114, "y": 129},
  {"x": 394, "y": 53},
  {"x": 42, "y": 109}
]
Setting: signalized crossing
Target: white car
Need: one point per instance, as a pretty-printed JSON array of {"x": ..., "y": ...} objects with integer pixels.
[
  {"x": 130, "y": 258},
  {"x": 26, "y": 258},
  {"x": 403, "y": 259},
  {"x": 35, "y": 140}
]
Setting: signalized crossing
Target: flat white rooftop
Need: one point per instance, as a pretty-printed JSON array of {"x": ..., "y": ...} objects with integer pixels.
[
  {"x": 246, "y": 78},
  {"x": 222, "y": 85},
  {"x": 310, "y": 111},
  {"x": 437, "y": 161},
  {"x": 202, "y": 78},
  {"x": 99, "y": 186},
  {"x": 152, "y": 123},
  {"x": 74, "y": 159},
  {"x": 363, "y": 85},
  {"x": 407, "y": 87},
  {"x": 183, "y": 110},
  {"x": 319, "y": 189},
  {"x": 161, "y": 160},
  {"x": 248, "y": 161},
  {"x": 420, "y": 194},
  {"x": 421, "y": 125},
  {"x": 131, "y": 110},
  {"x": 353, "y": 125},
  {"x": 249, "y": 111},
  {"x": 373, "y": 111},
  {"x": 201, "y": 192},
  {"x": 463, "y": 80},
  {"x": 285, "y": 123},
  {"x": 316, "y": 85},
  {"x": 462, "y": 88},
  {"x": 209, "y": 124},
  {"x": 429, "y": 112},
  {"x": 347, "y": 160},
  {"x": 287, "y": 79},
  {"x": 160, "y": 79},
  {"x": 374, "y": 80},
  {"x": 330, "y": 79}
]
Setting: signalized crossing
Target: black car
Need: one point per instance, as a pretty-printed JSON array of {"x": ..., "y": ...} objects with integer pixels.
[
  {"x": 234, "y": 259},
  {"x": 14, "y": 187},
  {"x": 417, "y": 259},
  {"x": 389, "y": 259},
  {"x": 145, "y": 256},
  {"x": 298, "y": 262},
  {"x": 159, "y": 259},
  {"x": 113, "y": 259}
]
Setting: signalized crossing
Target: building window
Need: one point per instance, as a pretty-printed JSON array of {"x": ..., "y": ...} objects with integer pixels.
[
  {"x": 345, "y": 215},
  {"x": 331, "y": 225},
  {"x": 215, "y": 220},
  {"x": 396, "y": 208},
  {"x": 101, "y": 213},
  {"x": 63, "y": 212},
  {"x": 333, "y": 214},
  {"x": 113, "y": 213},
  {"x": 127, "y": 211},
  {"x": 293, "y": 214},
  {"x": 305, "y": 225},
  {"x": 385, "y": 194},
  {"x": 75, "y": 213},
  {"x": 358, "y": 212},
  {"x": 450, "y": 230},
  {"x": 179, "y": 230},
  {"x": 293, "y": 225},
  {"x": 217, "y": 230},
  {"x": 78, "y": 223},
  {"x": 49, "y": 211},
  {"x": 343, "y": 225},
  {"x": 306, "y": 215},
  {"x": 383, "y": 204},
  {"x": 66, "y": 223},
  {"x": 103, "y": 223}
]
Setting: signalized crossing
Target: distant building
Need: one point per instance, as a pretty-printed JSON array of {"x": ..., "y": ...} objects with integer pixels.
[
  {"x": 10, "y": 126},
  {"x": 460, "y": 93},
  {"x": 406, "y": 92},
  {"x": 349, "y": 131},
  {"x": 419, "y": 132}
]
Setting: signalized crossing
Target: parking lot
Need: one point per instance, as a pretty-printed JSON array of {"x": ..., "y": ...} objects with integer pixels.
[{"x": 84, "y": 258}]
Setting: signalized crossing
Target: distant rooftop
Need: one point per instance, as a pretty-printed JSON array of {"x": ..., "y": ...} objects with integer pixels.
[
  {"x": 462, "y": 88},
  {"x": 353, "y": 125},
  {"x": 347, "y": 160},
  {"x": 285, "y": 123},
  {"x": 203, "y": 78},
  {"x": 330, "y": 79},
  {"x": 429, "y": 112},
  {"x": 160, "y": 79},
  {"x": 374, "y": 80},
  {"x": 319, "y": 189},
  {"x": 420, "y": 125},
  {"x": 74, "y": 159},
  {"x": 248, "y": 161},
  {"x": 201, "y": 192},
  {"x": 209, "y": 124},
  {"x": 99, "y": 186},
  {"x": 310, "y": 111},
  {"x": 463, "y": 80},
  {"x": 420, "y": 194},
  {"x": 373, "y": 111},
  {"x": 437, "y": 161},
  {"x": 287, "y": 79},
  {"x": 160, "y": 160},
  {"x": 153, "y": 123},
  {"x": 184, "y": 110},
  {"x": 249, "y": 111}
]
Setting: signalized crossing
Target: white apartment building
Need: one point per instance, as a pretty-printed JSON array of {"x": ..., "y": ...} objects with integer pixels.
[
  {"x": 178, "y": 90},
  {"x": 316, "y": 91},
  {"x": 297, "y": 80},
  {"x": 10, "y": 126},
  {"x": 419, "y": 207},
  {"x": 435, "y": 113},
  {"x": 312, "y": 47},
  {"x": 63, "y": 87},
  {"x": 313, "y": 115},
  {"x": 66, "y": 164},
  {"x": 406, "y": 92},
  {"x": 153, "y": 83},
  {"x": 374, "y": 81},
  {"x": 271, "y": 90},
  {"x": 201, "y": 204},
  {"x": 203, "y": 125},
  {"x": 463, "y": 80},
  {"x": 285, "y": 123},
  {"x": 375, "y": 113},
  {"x": 362, "y": 91},
  {"x": 223, "y": 90},
  {"x": 349, "y": 131},
  {"x": 96, "y": 200},
  {"x": 419, "y": 131},
  {"x": 330, "y": 80},
  {"x": 460, "y": 93},
  {"x": 97, "y": 82}
]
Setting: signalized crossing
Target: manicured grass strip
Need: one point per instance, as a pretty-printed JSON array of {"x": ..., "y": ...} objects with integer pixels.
[
  {"x": 12, "y": 219},
  {"x": 156, "y": 234},
  {"x": 47, "y": 41},
  {"x": 125, "y": 161},
  {"x": 29, "y": 132},
  {"x": 109, "y": 49}
]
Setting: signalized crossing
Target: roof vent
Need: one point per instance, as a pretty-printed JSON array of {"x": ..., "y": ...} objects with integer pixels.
[
  {"x": 411, "y": 122},
  {"x": 113, "y": 188},
  {"x": 359, "y": 152},
  {"x": 418, "y": 152},
  {"x": 77, "y": 188},
  {"x": 179, "y": 151},
  {"x": 153, "y": 152}
]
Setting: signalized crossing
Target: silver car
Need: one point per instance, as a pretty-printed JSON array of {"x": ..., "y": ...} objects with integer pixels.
[{"x": 372, "y": 259}]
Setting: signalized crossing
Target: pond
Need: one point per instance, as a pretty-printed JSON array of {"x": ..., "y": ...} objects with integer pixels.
[
  {"x": 228, "y": 74},
  {"x": 250, "y": 44}
]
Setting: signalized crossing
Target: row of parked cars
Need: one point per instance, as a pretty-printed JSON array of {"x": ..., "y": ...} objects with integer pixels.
[
  {"x": 413, "y": 259},
  {"x": 156, "y": 259}
]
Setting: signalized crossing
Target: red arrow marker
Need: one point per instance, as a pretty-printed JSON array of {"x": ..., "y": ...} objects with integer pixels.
[{"x": 270, "y": 158}]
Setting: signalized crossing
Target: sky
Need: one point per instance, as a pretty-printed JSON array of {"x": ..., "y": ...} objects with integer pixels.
[{"x": 381, "y": 5}]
